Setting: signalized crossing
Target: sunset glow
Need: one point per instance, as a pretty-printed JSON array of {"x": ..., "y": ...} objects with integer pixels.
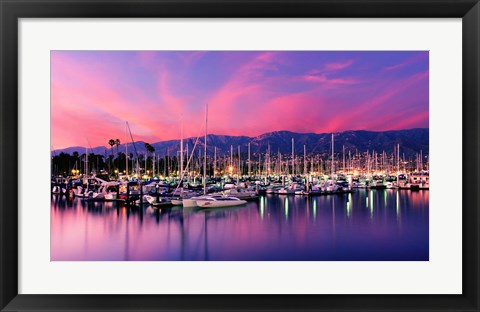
[{"x": 93, "y": 93}]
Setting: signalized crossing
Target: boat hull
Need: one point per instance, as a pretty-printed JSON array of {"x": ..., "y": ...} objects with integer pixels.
[
  {"x": 189, "y": 203},
  {"x": 219, "y": 204},
  {"x": 177, "y": 202}
]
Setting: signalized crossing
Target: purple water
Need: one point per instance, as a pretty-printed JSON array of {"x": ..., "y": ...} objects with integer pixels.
[{"x": 366, "y": 225}]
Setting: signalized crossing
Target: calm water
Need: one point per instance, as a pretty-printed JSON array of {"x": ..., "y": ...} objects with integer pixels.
[{"x": 366, "y": 225}]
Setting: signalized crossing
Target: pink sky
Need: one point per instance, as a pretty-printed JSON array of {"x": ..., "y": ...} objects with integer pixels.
[{"x": 93, "y": 93}]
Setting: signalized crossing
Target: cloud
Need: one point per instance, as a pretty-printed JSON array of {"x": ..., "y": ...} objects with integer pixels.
[
  {"x": 257, "y": 92},
  {"x": 190, "y": 58},
  {"x": 338, "y": 66},
  {"x": 392, "y": 92},
  {"x": 412, "y": 60},
  {"x": 324, "y": 79}
]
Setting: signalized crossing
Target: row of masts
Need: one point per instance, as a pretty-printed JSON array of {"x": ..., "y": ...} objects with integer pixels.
[
  {"x": 369, "y": 163},
  {"x": 237, "y": 164}
]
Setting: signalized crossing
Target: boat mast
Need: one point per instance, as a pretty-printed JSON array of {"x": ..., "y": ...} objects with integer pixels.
[
  {"x": 188, "y": 161},
  {"x": 304, "y": 159},
  {"x": 126, "y": 150},
  {"x": 239, "y": 166},
  {"x": 214, "y": 161},
  {"x": 398, "y": 157},
  {"x": 205, "y": 153},
  {"x": 86, "y": 162},
  {"x": 333, "y": 169},
  {"x": 181, "y": 149},
  {"x": 279, "y": 162},
  {"x": 259, "y": 162},
  {"x": 421, "y": 160},
  {"x": 165, "y": 164},
  {"x": 134, "y": 147},
  {"x": 269, "y": 165},
  {"x": 293, "y": 158},
  {"x": 249, "y": 159},
  {"x": 349, "y": 162}
]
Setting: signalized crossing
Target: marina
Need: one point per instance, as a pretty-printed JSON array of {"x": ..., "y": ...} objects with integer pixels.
[
  {"x": 240, "y": 155},
  {"x": 365, "y": 207}
]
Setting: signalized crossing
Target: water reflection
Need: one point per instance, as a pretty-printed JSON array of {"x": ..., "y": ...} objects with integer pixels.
[{"x": 366, "y": 225}]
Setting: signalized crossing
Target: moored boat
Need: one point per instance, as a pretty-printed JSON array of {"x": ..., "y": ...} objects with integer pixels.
[{"x": 217, "y": 202}]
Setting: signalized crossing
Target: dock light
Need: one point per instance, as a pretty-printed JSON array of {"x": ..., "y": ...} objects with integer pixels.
[
  {"x": 73, "y": 171},
  {"x": 230, "y": 169},
  {"x": 116, "y": 171}
]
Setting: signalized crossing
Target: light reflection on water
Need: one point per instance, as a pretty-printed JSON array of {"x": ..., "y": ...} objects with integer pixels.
[{"x": 365, "y": 225}]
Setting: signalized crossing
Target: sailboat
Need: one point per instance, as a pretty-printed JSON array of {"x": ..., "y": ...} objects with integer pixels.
[
  {"x": 192, "y": 202},
  {"x": 213, "y": 200}
]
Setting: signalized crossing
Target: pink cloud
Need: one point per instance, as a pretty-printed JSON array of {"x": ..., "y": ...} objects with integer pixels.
[
  {"x": 324, "y": 79},
  {"x": 242, "y": 84},
  {"x": 338, "y": 66},
  {"x": 192, "y": 57},
  {"x": 96, "y": 106},
  {"x": 92, "y": 98},
  {"x": 407, "y": 62},
  {"x": 412, "y": 121},
  {"x": 361, "y": 109}
]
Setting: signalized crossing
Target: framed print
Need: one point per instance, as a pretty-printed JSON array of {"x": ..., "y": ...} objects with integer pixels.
[{"x": 218, "y": 155}]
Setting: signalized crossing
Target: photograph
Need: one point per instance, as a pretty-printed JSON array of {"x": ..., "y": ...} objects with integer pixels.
[{"x": 264, "y": 155}]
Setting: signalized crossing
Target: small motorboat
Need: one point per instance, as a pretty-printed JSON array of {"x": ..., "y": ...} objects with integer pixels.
[
  {"x": 217, "y": 202},
  {"x": 192, "y": 201}
]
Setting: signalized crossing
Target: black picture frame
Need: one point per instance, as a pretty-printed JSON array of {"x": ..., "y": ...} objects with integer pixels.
[{"x": 12, "y": 10}]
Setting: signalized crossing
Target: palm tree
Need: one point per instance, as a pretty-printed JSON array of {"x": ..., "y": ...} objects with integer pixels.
[
  {"x": 117, "y": 143},
  {"x": 149, "y": 148},
  {"x": 111, "y": 142}
]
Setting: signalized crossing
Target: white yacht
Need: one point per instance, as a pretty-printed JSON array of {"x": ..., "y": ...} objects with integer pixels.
[
  {"x": 215, "y": 202},
  {"x": 192, "y": 201}
]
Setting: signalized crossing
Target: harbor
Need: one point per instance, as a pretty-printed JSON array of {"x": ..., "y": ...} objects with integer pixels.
[
  {"x": 240, "y": 156},
  {"x": 232, "y": 180},
  {"x": 365, "y": 207}
]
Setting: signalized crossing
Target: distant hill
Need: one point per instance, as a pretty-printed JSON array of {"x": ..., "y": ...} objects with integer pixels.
[{"x": 411, "y": 141}]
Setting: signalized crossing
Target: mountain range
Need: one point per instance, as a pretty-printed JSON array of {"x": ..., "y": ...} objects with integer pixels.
[{"x": 411, "y": 142}]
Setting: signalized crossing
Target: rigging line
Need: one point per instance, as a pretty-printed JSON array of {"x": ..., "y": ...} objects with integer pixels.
[
  {"x": 190, "y": 158},
  {"x": 133, "y": 142}
]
